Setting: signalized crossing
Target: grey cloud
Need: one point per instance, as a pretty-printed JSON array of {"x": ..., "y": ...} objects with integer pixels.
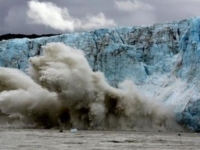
[
  {"x": 51, "y": 15},
  {"x": 13, "y": 18},
  {"x": 169, "y": 10}
]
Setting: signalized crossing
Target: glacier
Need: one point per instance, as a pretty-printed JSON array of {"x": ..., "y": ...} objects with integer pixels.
[{"x": 162, "y": 60}]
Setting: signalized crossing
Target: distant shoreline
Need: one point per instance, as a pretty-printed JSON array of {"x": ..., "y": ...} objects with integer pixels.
[{"x": 31, "y": 36}]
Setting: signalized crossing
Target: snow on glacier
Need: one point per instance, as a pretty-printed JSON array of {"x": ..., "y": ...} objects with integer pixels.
[{"x": 162, "y": 59}]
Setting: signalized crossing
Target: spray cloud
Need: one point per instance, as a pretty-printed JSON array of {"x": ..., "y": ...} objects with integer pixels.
[{"x": 63, "y": 90}]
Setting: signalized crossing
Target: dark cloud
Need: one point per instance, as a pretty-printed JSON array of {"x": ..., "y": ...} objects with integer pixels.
[{"x": 13, "y": 13}]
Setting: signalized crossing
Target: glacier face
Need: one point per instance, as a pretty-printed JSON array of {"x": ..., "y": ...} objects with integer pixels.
[{"x": 161, "y": 59}]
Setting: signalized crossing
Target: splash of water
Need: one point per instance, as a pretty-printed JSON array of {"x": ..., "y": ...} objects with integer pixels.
[{"x": 62, "y": 90}]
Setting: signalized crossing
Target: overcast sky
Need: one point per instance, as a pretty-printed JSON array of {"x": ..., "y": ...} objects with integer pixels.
[{"x": 64, "y": 16}]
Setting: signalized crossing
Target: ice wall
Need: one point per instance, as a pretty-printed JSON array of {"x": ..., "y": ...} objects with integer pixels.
[
  {"x": 161, "y": 59},
  {"x": 137, "y": 51}
]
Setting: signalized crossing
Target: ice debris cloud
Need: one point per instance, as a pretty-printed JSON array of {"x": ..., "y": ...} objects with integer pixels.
[{"x": 63, "y": 90}]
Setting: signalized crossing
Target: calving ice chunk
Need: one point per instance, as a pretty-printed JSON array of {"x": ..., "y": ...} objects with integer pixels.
[{"x": 62, "y": 89}]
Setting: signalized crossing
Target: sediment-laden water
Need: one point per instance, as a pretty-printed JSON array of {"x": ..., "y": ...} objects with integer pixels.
[{"x": 29, "y": 139}]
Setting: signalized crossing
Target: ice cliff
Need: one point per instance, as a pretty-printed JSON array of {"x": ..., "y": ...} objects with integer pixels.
[{"x": 162, "y": 59}]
